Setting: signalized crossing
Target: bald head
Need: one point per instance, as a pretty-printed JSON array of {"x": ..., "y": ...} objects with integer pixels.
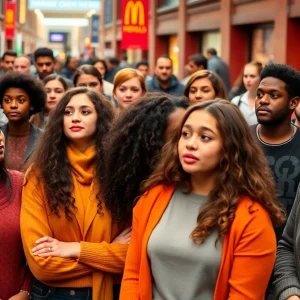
[{"x": 22, "y": 65}]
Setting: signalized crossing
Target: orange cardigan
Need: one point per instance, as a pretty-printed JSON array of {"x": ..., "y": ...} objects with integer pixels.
[
  {"x": 248, "y": 252},
  {"x": 99, "y": 259}
]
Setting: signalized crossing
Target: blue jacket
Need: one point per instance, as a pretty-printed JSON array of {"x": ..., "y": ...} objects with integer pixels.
[{"x": 175, "y": 88}]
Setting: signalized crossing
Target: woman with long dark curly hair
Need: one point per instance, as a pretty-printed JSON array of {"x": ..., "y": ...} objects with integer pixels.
[
  {"x": 133, "y": 147},
  {"x": 72, "y": 247},
  {"x": 204, "y": 227}
]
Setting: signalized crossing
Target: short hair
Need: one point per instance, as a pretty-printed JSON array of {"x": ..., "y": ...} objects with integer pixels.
[
  {"x": 113, "y": 60},
  {"x": 287, "y": 74},
  {"x": 89, "y": 70},
  {"x": 214, "y": 78},
  {"x": 212, "y": 51},
  {"x": 101, "y": 61},
  {"x": 9, "y": 53},
  {"x": 43, "y": 52},
  {"x": 126, "y": 74},
  {"x": 25, "y": 56},
  {"x": 142, "y": 63},
  {"x": 27, "y": 82},
  {"x": 59, "y": 78},
  {"x": 199, "y": 59},
  {"x": 164, "y": 56}
]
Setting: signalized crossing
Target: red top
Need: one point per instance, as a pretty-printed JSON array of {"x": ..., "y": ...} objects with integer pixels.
[
  {"x": 248, "y": 252},
  {"x": 14, "y": 274}
]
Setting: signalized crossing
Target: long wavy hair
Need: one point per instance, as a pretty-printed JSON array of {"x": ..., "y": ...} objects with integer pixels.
[
  {"x": 50, "y": 160},
  {"x": 132, "y": 149},
  {"x": 243, "y": 171}
]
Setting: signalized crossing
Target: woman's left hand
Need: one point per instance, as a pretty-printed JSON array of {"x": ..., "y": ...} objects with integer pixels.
[
  {"x": 20, "y": 296},
  {"x": 48, "y": 246}
]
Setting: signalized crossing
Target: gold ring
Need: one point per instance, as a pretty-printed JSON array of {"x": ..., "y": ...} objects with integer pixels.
[{"x": 50, "y": 248}]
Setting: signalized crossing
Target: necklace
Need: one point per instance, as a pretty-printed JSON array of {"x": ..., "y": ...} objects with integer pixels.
[{"x": 292, "y": 136}]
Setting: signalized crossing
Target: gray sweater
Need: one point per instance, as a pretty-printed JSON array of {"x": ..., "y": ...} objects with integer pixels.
[{"x": 287, "y": 266}]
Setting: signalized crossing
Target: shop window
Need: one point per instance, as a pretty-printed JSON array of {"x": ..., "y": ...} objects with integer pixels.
[
  {"x": 173, "y": 53},
  {"x": 262, "y": 45},
  {"x": 211, "y": 39},
  {"x": 167, "y": 3}
]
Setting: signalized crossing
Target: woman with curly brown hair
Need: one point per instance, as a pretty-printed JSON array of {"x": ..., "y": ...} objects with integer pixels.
[
  {"x": 204, "y": 227},
  {"x": 73, "y": 246}
]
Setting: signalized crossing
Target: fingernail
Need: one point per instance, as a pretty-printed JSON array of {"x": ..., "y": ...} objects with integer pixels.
[{"x": 33, "y": 250}]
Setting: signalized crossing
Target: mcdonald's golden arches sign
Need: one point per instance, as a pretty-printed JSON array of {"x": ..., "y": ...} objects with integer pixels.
[{"x": 134, "y": 14}]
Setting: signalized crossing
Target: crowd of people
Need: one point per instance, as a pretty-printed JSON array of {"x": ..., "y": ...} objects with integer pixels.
[{"x": 116, "y": 183}]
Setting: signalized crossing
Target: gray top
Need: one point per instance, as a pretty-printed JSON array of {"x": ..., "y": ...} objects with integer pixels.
[
  {"x": 287, "y": 266},
  {"x": 247, "y": 111},
  {"x": 181, "y": 269}
]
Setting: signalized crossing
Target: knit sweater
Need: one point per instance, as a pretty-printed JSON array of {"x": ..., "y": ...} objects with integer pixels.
[
  {"x": 99, "y": 258},
  {"x": 287, "y": 266},
  {"x": 14, "y": 275}
]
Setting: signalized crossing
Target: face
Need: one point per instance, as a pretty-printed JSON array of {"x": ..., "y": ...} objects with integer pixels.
[
  {"x": 200, "y": 144},
  {"x": 201, "y": 90},
  {"x": 90, "y": 81},
  {"x": 55, "y": 90},
  {"x": 80, "y": 120},
  {"x": 2, "y": 143},
  {"x": 174, "y": 119},
  {"x": 272, "y": 104},
  {"x": 144, "y": 70},
  {"x": 16, "y": 105},
  {"x": 128, "y": 92},
  {"x": 45, "y": 66},
  {"x": 73, "y": 63},
  {"x": 8, "y": 63},
  {"x": 192, "y": 67},
  {"x": 22, "y": 65},
  {"x": 251, "y": 78},
  {"x": 100, "y": 67},
  {"x": 163, "y": 69}
]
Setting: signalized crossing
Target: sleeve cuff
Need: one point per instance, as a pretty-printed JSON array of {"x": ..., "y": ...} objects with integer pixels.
[{"x": 293, "y": 291}]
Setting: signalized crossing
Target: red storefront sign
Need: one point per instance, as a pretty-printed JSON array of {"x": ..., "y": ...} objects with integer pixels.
[
  {"x": 10, "y": 20},
  {"x": 134, "y": 16}
]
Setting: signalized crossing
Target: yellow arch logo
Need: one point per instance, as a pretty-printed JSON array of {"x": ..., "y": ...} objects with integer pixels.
[
  {"x": 9, "y": 16},
  {"x": 134, "y": 13}
]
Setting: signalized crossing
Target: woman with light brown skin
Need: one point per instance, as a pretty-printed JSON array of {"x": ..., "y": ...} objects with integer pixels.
[
  {"x": 204, "y": 227},
  {"x": 204, "y": 85}
]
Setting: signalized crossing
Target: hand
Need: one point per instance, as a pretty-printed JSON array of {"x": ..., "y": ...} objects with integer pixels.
[
  {"x": 48, "y": 246},
  {"x": 123, "y": 237},
  {"x": 19, "y": 296},
  {"x": 293, "y": 298}
]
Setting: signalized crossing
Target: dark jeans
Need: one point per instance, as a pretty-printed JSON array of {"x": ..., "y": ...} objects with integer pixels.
[{"x": 41, "y": 291}]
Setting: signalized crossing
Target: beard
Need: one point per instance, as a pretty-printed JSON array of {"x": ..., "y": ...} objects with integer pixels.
[{"x": 276, "y": 117}]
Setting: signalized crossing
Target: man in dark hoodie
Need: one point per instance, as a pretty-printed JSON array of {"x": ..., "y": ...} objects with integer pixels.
[{"x": 164, "y": 80}]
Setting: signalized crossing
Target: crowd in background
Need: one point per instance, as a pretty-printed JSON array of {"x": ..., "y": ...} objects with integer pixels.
[{"x": 121, "y": 183}]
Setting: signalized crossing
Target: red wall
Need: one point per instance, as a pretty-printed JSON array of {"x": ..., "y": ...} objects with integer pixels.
[{"x": 293, "y": 43}]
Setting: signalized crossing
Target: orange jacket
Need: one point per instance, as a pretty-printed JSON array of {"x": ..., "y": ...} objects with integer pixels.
[
  {"x": 99, "y": 258},
  {"x": 248, "y": 252}
]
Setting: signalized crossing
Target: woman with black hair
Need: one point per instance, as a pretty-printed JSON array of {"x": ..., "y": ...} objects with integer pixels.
[
  {"x": 15, "y": 277},
  {"x": 21, "y": 96},
  {"x": 133, "y": 148},
  {"x": 74, "y": 246}
]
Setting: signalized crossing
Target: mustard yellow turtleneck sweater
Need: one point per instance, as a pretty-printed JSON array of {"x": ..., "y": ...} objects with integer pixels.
[{"x": 99, "y": 259}]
